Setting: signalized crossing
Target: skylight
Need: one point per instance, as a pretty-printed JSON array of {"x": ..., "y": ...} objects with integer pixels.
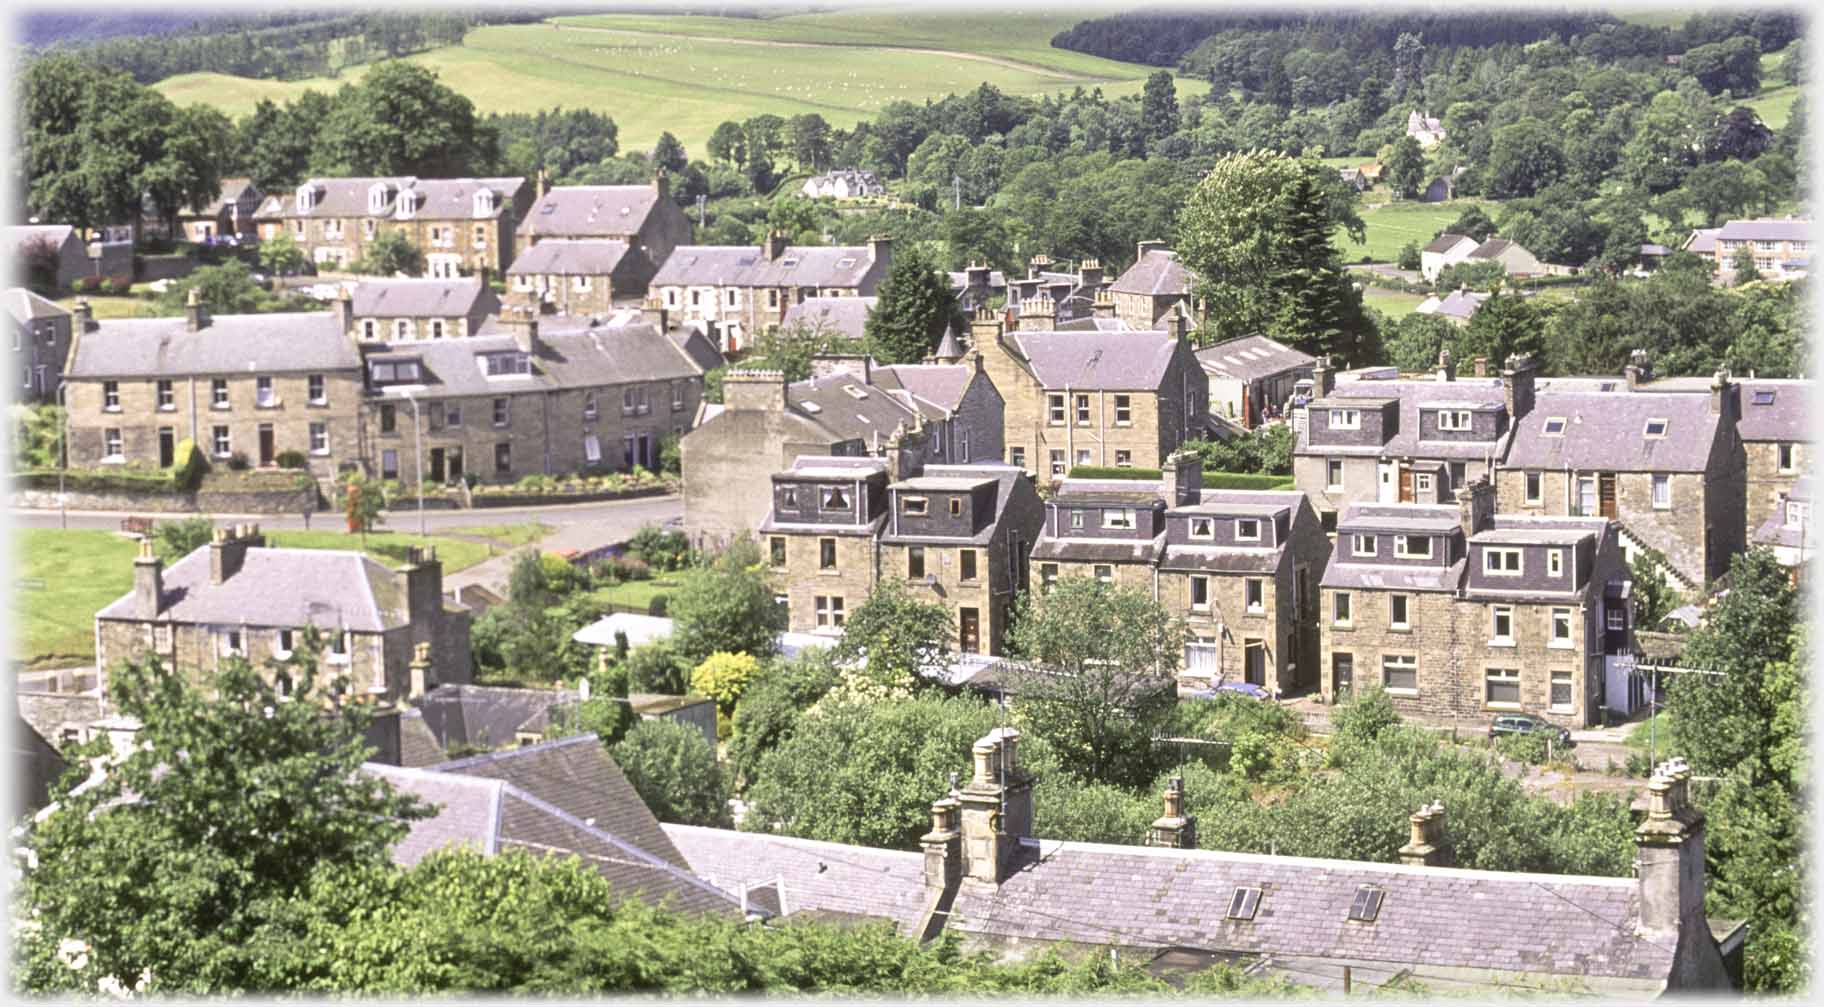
[
  {"x": 1554, "y": 426},
  {"x": 855, "y": 391},
  {"x": 1656, "y": 427},
  {"x": 788, "y": 262},
  {"x": 1245, "y": 902},
  {"x": 1367, "y": 904},
  {"x": 845, "y": 263},
  {"x": 1763, "y": 398}
]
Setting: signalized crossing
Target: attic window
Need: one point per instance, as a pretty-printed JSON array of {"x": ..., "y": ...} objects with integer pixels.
[
  {"x": 845, "y": 263},
  {"x": 855, "y": 391},
  {"x": 789, "y": 261},
  {"x": 1763, "y": 398},
  {"x": 1245, "y": 902},
  {"x": 1656, "y": 428},
  {"x": 1554, "y": 426},
  {"x": 1367, "y": 904},
  {"x": 1608, "y": 386}
]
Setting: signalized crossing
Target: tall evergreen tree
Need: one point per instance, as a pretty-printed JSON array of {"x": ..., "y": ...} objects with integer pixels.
[
  {"x": 916, "y": 303},
  {"x": 1159, "y": 106}
]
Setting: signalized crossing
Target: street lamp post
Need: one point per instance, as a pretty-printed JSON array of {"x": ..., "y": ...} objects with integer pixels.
[
  {"x": 63, "y": 454},
  {"x": 418, "y": 449}
]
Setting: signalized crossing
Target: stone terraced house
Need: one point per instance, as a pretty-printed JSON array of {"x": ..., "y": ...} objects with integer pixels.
[
  {"x": 1775, "y": 428},
  {"x": 577, "y": 277},
  {"x": 1460, "y": 612},
  {"x": 401, "y": 310},
  {"x": 41, "y": 343},
  {"x": 743, "y": 289},
  {"x": 462, "y": 225}
]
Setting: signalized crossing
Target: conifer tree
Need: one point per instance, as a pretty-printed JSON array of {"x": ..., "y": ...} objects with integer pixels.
[{"x": 916, "y": 303}]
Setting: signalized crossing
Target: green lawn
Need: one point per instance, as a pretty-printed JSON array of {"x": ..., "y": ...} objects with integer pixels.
[
  {"x": 1391, "y": 225},
  {"x": 112, "y": 306},
  {"x": 1774, "y": 104},
  {"x": 689, "y": 74},
  {"x": 83, "y": 572},
  {"x": 1392, "y": 303},
  {"x": 637, "y": 593}
]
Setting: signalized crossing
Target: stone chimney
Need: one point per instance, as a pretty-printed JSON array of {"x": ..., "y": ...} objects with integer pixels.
[
  {"x": 83, "y": 315},
  {"x": 1639, "y": 370},
  {"x": 905, "y": 451},
  {"x": 148, "y": 580},
  {"x": 1517, "y": 385},
  {"x": 1670, "y": 856},
  {"x": 1724, "y": 396},
  {"x": 943, "y": 845},
  {"x": 754, "y": 391},
  {"x": 979, "y": 276},
  {"x": 544, "y": 182},
  {"x": 421, "y": 577},
  {"x": 1104, "y": 304},
  {"x": 662, "y": 184},
  {"x": 229, "y": 549},
  {"x": 1475, "y": 506},
  {"x": 653, "y": 312},
  {"x": 1323, "y": 377},
  {"x": 1089, "y": 273},
  {"x": 1481, "y": 367},
  {"x": 421, "y": 680},
  {"x": 345, "y": 310},
  {"x": 996, "y": 810},
  {"x": 1178, "y": 323},
  {"x": 880, "y": 249},
  {"x": 194, "y": 316},
  {"x": 1183, "y": 479},
  {"x": 1037, "y": 265},
  {"x": 986, "y": 328},
  {"x": 1144, "y": 247},
  {"x": 775, "y": 245},
  {"x": 522, "y": 324},
  {"x": 1038, "y": 314},
  {"x": 1427, "y": 848},
  {"x": 1447, "y": 370},
  {"x": 859, "y": 366},
  {"x": 1175, "y": 830}
]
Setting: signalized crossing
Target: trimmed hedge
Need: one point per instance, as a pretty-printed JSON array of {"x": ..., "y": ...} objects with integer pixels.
[
  {"x": 1111, "y": 472},
  {"x": 1211, "y": 480},
  {"x": 92, "y": 481},
  {"x": 188, "y": 465}
]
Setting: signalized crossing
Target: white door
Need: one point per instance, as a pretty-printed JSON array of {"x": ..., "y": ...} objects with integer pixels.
[{"x": 1389, "y": 474}]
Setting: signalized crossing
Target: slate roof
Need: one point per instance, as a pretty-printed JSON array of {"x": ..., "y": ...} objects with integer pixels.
[
  {"x": 1786, "y": 418},
  {"x": 13, "y": 239},
  {"x": 941, "y": 385},
  {"x": 230, "y": 192},
  {"x": 1222, "y": 558},
  {"x": 1775, "y": 530},
  {"x": 1492, "y": 248},
  {"x": 1118, "y": 361},
  {"x": 26, "y": 306},
  {"x": 417, "y": 298},
  {"x": 1243, "y": 503},
  {"x": 418, "y": 747},
  {"x": 1430, "y": 518},
  {"x": 577, "y": 775},
  {"x": 482, "y": 715},
  {"x": 818, "y": 876},
  {"x": 1093, "y": 324},
  {"x": 493, "y": 815},
  {"x": 1430, "y": 917},
  {"x": 846, "y": 315},
  {"x": 577, "y": 358},
  {"x": 844, "y": 414},
  {"x": 963, "y": 477},
  {"x": 591, "y": 211},
  {"x": 227, "y": 344},
  {"x": 1251, "y": 358},
  {"x": 1158, "y": 273},
  {"x": 1456, "y": 304},
  {"x": 1765, "y": 230},
  {"x": 748, "y": 266},
  {"x": 276, "y": 587},
  {"x": 1083, "y": 491},
  {"x": 1703, "y": 240},
  {"x": 697, "y": 345},
  {"x": 1098, "y": 550},
  {"x": 560, "y": 257},
  {"x": 1604, "y": 431},
  {"x": 435, "y": 198},
  {"x": 1413, "y": 395},
  {"x": 1445, "y": 242}
]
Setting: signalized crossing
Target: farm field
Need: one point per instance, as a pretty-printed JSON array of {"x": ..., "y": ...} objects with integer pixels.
[
  {"x": 1392, "y": 303},
  {"x": 653, "y": 73},
  {"x": 84, "y": 571},
  {"x": 1391, "y": 225}
]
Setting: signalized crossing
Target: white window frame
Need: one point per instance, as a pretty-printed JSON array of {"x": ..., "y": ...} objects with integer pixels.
[
  {"x": 1345, "y": 419},
  {"x": 1554, "y": 562},
  {"x": 218, "y": 393},
  {"x": 1662, "y": 490},
  {"x": 1788, "y": 460},
  {"x": 1534, "y": 486},
  {"x": 1366, "y": 545},
  {"x": 319, "y": 438},
  {"x": 1553, "y": 427},
  {"x": 1333, "y": 474},
  {"x": 110, "y": 396},
  {"x": 1798, "y": 512},
  {"x": 1203, "y": 582},
  {"x": 1241, "y": 524},
  {"x": 1401, "y": 662},
  {"x": 1402, "y": 547},
  {"x": 1560, "y": 618},
  {"x": 1104, "y": 572},
  {"x": 113, "y": 449},
  {"x": 915, "y": 506},
  {"x": 1496, "y": 614},
  {"x": 1122, "y": 518},
  {"x": 1569, "y": 680},
  {"x": 1208, "y": 525},
  {"x": 1504, "y": 677},
  {"x": 1124, "y": 411},
  {"x": 1076, "y": 520},
  {"x": 1455, "y": 420},
  {"x": 1491, "y": 568},
  {"x": 1342, "y": 609},
  {"x": 166, "y": 395},
  {"x": 1394, "y": 603},
  {"x": 1254, "y": 594},
  {"x": 1055, "y": 413},
  {"x": 317, "y": 389},
  {"x": 1663, "y": 423},
  {"x": 221, "y": 441}
]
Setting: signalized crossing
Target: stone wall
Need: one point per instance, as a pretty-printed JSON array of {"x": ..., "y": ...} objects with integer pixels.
[
  {"x": 1765, "y": 480},
  {"x": 802, "y": 580},
  {"x": 292, "y": 500}
]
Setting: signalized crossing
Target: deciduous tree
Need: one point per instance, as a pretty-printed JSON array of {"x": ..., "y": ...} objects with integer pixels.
[{"x": 726, "y": 605}]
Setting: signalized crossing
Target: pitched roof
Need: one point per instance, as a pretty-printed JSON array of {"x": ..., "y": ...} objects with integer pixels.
[
  {"x": 230, "y": 192},
  {"x": 1703, "y": 240},
  {"x": 326, "y": 588},
  {"x": 492, "y": 815},
  {"x": 1775, "y": 410},
  {"x": 1461, "y": 303},
  {"x": 1098, "y": 360},
  {"x": 577, "y": 775},
  {"x": 569, "y": 257},
  {"x": 941, "y": 385},
  {"x": 568, "y": 358},
  {"x": 863, "y": 880},
  {"x": 1251, "y": 358},
  {"x": 845, "y": 315},
  {"x": 1430, "y": 917},
  {"x": 1765, "y": 229},
  {"x": 162, "y": 347},
  {"x": 1414, "y": 394},
  {"x": 433, "y": 198},
  {"x": 585, "y": 211},
  {"x": 1492, "y": 248},
  {"x": 748, "y": 266},
  {"x": 417, "y": 298},
  {"x": 1157, "y": 273},
  {"x": 483, "y": 715},
  {"x": 848, "y": 408},
  {"x": 15, "y": 238},
  {"x": 26, "y": 306},
  {"x": 1606, "y": 431},
  {"x": 697, "y": 345},
  {"x": 1445, "y": 242}
]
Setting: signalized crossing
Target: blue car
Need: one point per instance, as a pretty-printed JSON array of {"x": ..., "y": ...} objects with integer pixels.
[{"x": 1248, "y": 689}]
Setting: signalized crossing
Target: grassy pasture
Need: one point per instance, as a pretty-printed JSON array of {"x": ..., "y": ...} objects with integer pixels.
[{"x": 1391, "y": 225}]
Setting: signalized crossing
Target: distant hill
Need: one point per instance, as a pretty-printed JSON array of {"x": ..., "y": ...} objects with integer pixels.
[{"x": 39, "y": 28}]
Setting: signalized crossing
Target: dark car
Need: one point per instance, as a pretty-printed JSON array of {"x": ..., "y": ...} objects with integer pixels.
[{"x": 1526, "y": 723}]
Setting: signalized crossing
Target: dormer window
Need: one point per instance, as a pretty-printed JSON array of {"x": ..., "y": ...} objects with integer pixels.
[
  {"x": 1501, "y": 562},
  {"x": 408, "y": 205},
  {"x": 914, "y": 506},
  {"x": 1119, "y": 517},
  {"x": 1412, "y": 546},
  {"x": 1247, "y": 529},
  {"x": 385, "y": 371},
  {"x": 1453, "y": 419},
  {"x": 502, "y": 364},
  {"x": 835, "y": 499},
  {"x": 1345, "y": 419},
  {"x": 788, "y": 497},
  {"x": 1203, "y": 527},
  {"x": 306, "y": 198},
  {"x": 484, "y": 203},
  {"x": 1656, "y": 428},
  {"x": 1554, "y": 426},
  {"x": 1364, "y": 545},
  {"x": 1798, "y": 513}
]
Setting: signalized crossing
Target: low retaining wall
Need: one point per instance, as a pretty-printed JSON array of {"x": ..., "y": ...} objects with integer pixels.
[
  {"x": 286, "y": 501},
  {"x": 482, "y": 501}
]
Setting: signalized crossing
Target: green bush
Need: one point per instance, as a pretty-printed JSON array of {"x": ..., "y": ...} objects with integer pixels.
[
  {"x": 659, "y": 605},
  {"x": 1528, "y": 748},
  {"x": 661, "y": 549},
  {"x": 723, "y": 677},
  {"x": 1409, "y": 256},
  {"x": 1242, "y": 481},
  {"x": 656, "y": 667},
  {"x": 673, "y": 769},
  {"x": 189, "y": 465},
  {"x": 1364, "y": 717},
  {"x": 292, "y": 459},
  {"x": 237, "y": 462},
  {"x": 173, "y": 540},
  {"x": 1112, "y": 472}
]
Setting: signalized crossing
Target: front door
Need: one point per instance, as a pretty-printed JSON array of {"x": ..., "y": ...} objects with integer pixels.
[
  {"x": 167, "y": 447},
  {"x": 1406, "y": 485},
  {"x": 436, "y": 465},
  {"x": 1389, "y": 489},
  {"x": 1342, "y": 677},
  {"x": 970, "y": 632},
  {"x": 1607, "y": 494},
  {"x": 1254, "y": 662},
  {"x": 267, "y": 451},
  {"x": 455, "y": 464},
  {"x": 1586, "y": 497},
  {"x": 646, "y": 460}
]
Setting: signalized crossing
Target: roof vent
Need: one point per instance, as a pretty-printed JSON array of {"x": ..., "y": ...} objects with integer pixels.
[
  {"x": 810, "y": 407},
  {"x": 1367, "y": 904},
  {"x": 1245, "y": 902},
  {"x": 855, "y": 391}
]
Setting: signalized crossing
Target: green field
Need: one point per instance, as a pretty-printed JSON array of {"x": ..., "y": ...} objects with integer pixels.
[
  {"x": 1390, "y": 226},
  {"x": 85, "y": 571},
  {"x": 653, "y": 73},
  {"x": 1392, "y": 303}
]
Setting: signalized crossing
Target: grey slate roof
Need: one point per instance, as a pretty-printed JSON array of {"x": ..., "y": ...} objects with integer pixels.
[
  {"x": 560, "y": 257},
  {"x": 1765, "y": 230},
  {"x": 26, "y": 306},
  {"x": 1251, "y": 358},
  {"x": 1775, "y": 531},
  {"x": 230, "y": 192},
  {"x": 228, "y": 344},
  {"x": 434, "y": 198},
  {"x": 14, "y": 239},
  {"x": 1118, "y": 361},
  {"x": 1786, "y": 418},
  {"x": 1413, "y": 395},
  {"x": 591, "y": 211},
  {"x": 1491, "y": 248},
  {"x": 1605, "y": 431},
  {"x": 577, "y": 775},
  {"x": 276, "y": 587},
  {"x": 697, "y": 345},
  {"x": 846, "y": 315},
  {"x": 482, "y": 715},
  {"x": 941, "y": 385},
  {"x": 1445, "y": 242},
  {"x": 848, "y": 416},
  {"x": 1431, "y": 518},
  {"x": 1093, "y": 324},
  {"x": 1430, "y": 917},
  {"x": 1703, "y": 240},
  {"x": 1157, "y": 273},
  {"x": 862, "y": 880},
  {"x": 581, "y": 358},
  {"x": 417, "y": 298},
  {"x": 748, "y": 266},
  {"x": 1460, "y": 304},
  {"x": 1385, "y": 576},
  {"x": 1099, "y": 550}
]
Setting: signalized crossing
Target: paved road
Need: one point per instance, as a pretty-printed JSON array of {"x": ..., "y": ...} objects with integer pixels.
[{"x": 614, "y": 519}]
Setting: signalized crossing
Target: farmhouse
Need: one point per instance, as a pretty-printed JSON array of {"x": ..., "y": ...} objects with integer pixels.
[{"x": 1444, "y": 250}]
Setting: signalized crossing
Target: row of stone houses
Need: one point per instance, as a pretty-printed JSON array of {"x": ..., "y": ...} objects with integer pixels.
[{"x": 390, "y": 396}]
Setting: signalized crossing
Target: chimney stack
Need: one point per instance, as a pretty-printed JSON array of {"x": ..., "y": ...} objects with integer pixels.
[
  {"x": 148, "y": 580},
  {"x": 905, "y": 451},
  {"x": 662, "y": 184},
  {"x": 1144, "y": 247},
  {"x": 1670, "y": 854},
  {"x": 1179, "y": 323},
  {"x": 1089, "y": 273},
  {"x": 420, "y": 670},
  {"x": 986, "y": 328},
  {"x": 83, "y": 319},
  {"x": 1037, "y": 265},
  {"x": 194, "y": 317},
  {"x": 990, "y": 835},
  {"x": 229, "y": 548},
  {"x": 1038, "y": 314},
  {"x": 1183, "y": 479},
  {"x": 880, "y": 249},
  {"x": 1323, "y": 377},
  {"x": 1447, "y": 371},
  {"x": 522, "y": 323},
  {"x": 422, "y": 577},
  {"x": 1104, "y": 304},
  {"x": 1427, "y": 848},
  {"x": 1639, "y": 370},
  {"x": 1175, "y": 830},
  {"x": 943, "y": 844},
  {"x": 754, "y": 391},
  {"x": 1723, "y": 396},
  {"x": 1475, "y": 505},
  {"x": 775, "y": 245},
  {"x": 1481, "y": 367},
  {"x": 345, "y": 310},
  {"x": 1517, "y": 386}
]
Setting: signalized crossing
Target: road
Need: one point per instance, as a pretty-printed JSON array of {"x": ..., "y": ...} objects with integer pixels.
[{"x": 614, "y": 519}]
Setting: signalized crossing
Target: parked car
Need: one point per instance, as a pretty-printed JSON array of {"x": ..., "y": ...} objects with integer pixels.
[
  {"x": 1526, "y": 723},
  {"x": 1248, "y": 689}
]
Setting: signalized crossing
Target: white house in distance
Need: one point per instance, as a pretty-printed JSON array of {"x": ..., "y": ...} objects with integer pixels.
[
  {"x": 843, "y": 183},
  {"x": 1425, "y": 129},
  {"x": 1445, "y": 250}
]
